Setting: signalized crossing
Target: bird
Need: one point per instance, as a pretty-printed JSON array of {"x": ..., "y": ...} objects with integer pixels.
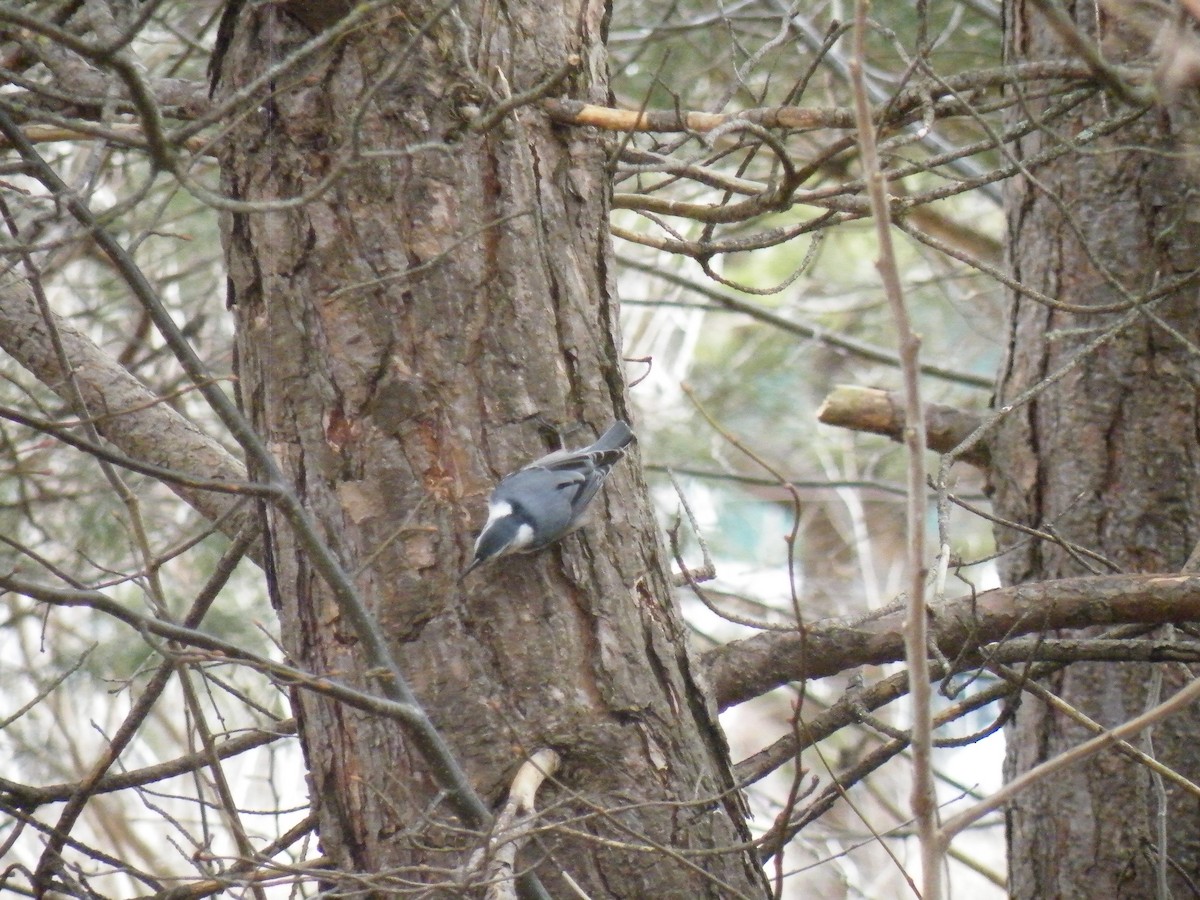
[{"x": 536, "y": 505}]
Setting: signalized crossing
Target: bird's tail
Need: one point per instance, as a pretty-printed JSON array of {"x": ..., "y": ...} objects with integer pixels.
[{"x": 618, "y": 437}]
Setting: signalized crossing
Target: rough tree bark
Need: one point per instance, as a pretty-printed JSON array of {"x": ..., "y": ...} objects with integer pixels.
[
  {"x": 404, "y": 338},
  {"x": 1108, "y": 456}
]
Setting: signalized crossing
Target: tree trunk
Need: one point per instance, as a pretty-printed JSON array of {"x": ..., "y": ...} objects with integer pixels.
[
  {"x": 1108, "y": 458},
  {"x": 405, "y": 336}
]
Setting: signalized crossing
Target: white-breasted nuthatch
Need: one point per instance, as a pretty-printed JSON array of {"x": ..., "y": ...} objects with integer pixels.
[{"x": 547, "y": 499}]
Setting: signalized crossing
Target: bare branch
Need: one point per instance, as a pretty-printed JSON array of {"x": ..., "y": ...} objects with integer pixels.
[
  {"x": 136, "y": 420},
  {"x": 881, "y": 412},
  {"x": 744, "y": 669}
]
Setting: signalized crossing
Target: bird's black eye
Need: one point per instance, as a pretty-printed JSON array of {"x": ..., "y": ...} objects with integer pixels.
[{"x": 519, "y": 514}]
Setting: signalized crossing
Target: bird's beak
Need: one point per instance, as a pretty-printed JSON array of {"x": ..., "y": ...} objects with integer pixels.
[{"x": 469, "y": 569}]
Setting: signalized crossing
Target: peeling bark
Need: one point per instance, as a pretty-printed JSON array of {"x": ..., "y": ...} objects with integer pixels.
[{"x": 404, "y": 338}]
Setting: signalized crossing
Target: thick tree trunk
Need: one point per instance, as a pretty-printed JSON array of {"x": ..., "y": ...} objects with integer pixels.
[
  {"x": 1108, "y": 458},
  {"x": 404, "y": 337}
]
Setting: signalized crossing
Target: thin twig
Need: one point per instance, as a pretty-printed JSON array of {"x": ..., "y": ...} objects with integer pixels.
[
  {"x": 1179, "y": 702},
  {"x": 924, "y": 797}
]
